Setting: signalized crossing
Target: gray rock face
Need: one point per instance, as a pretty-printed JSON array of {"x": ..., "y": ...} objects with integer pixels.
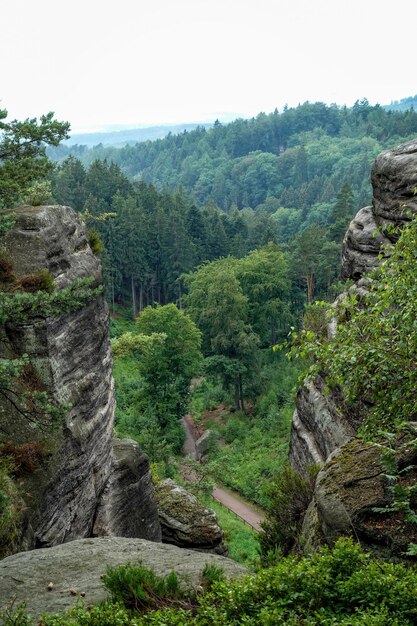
[
  {"x": 362, "y": 245},
  {"x": 185, "y": 522},
  {"x": 71, "y": 356},
  {"x": 202, "y": 444},
  {"x": 127, "y": 507},
  {"x": 77, "y": 566},
  {"x": 394, "y": 179},
  {"x": 320, "y": 424}
]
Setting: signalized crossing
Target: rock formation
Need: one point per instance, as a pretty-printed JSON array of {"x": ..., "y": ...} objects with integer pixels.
[
  {"x": 185, "y": 522},
  {"x": 351, "y": 483},
  {"x": 76, "y": 568},
  {"x": 71, "y": 356},
  {"x": 320, "y": 423},
  {"x": 349, "y": 488}
]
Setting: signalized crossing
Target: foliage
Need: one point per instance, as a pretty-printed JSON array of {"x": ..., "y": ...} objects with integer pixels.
[
  {"x": 167, "y": 345},
  {"x": 23, "y": 161},
  {"x": 25, "y": 457},
  {"x": 252, "y": 448},
  {"x": 11, "y": 506},
  {"x": 295, "y": 159},
  {"x": 289, "y": 496},
  {"x": 372, "y": 356},
  {"x": 151, "y": 238},
  {"x": 95, "y": 241},
  {"x": 39, "y": 193},
  {"x": 241, "y": 540},
  {"x": 343, "y": 586},
  {"x": 138, "y": 587},
  {"x": 237, "y": 304},
  {"x": 211, "y": 574}
]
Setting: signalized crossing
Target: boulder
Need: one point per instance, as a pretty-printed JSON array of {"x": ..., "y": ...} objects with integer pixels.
[
  {"x": 76, "y": 568},
  {"x": 187, "y": 523},
  {"x": 350, "y": 486},
  {"x": 127, "y": 507},
  {"x": 202, "y": 444}
]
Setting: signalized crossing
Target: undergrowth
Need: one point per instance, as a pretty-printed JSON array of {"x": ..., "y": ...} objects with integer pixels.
[{"x": 342, "y": 586}]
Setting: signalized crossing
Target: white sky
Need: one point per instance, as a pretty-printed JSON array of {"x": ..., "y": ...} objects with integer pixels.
[{"x": 140, "y": 62}]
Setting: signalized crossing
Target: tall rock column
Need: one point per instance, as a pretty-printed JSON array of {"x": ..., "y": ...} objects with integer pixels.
[
  {"x": 321, "y": 423},
  {"x": 71, "y": 356}
]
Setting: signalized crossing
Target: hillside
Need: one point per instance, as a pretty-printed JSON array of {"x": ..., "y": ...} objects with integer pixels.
[{"x": 292, "y": 162}]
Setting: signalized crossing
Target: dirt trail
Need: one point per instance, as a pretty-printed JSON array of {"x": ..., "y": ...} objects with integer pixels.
[{"x": 234, "y": 504}]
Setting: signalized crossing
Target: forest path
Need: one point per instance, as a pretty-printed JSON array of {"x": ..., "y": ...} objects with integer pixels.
[{"x": 242, "y": 509}]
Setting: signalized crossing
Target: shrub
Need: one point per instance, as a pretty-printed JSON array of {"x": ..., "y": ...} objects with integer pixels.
[
  {"x": 95, "y": 241},
  {"x": 342, "y": 586},
  {"x": 138, "y": 587},
  {"x": 39, "y": 193},
  {"x": 26, "y": 457},
  {"x": 7, "y": 274},
  {"x": 11, "y": 508},
  {"x": 31, "y": 283},
  {"x": 289, "y": 496},
  {"x": 210, "y": 575}
]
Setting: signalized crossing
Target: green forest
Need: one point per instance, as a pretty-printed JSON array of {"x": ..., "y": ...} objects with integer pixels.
[{"x": 215, "y": 246}]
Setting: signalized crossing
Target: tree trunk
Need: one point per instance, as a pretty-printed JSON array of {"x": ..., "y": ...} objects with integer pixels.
[
  {"x": 141, "y": 297},
  {"x": 242, "y": 405},
  {"x": 237, "y": 396},
  {"x": 133, "y": 296},
  {"x": 273, "y": 334},
  {"x": 179, "y": 297},
  {"x": 310, "y": 288},
  {"x": 112, "y": 294}
]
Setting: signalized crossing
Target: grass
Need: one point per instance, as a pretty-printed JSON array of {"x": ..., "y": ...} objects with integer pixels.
[{"x": 241, "y": 539}]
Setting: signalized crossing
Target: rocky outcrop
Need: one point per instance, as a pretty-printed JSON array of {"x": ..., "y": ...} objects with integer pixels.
[
  {"x": 349, "y": 488},
  {"x": 362, "y": 245},
  {"x": 71, "y": 358},
  {"x": 127, "y": 507},
  {"x": 76, "y": 568},
  {"x": 185, "y": 522},
  {"x": 321, "y": 424},
  {"x": 202, "y": 444},
  {"x": 394, "y": 180}
]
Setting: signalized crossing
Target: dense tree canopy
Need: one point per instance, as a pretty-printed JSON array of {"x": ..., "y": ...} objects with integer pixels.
[
  {"x": 297, "y": 159},
  {"x": 166, "y": 343}
]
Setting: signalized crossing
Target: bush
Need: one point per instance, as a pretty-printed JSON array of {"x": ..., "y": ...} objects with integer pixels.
[
  {"x": 31, "y": 283},
  {"x": 289, "y": 495},
  {"x": 95, "y": 241},
  {"x": 26, "y": 457},
  {"x": 210, "y": 575},
  {"x": 11, "y": 508},
  {"x": 138, "y": 587},
  {"x": 39, "y": 193},
  {"x": 343, "y": 586}
]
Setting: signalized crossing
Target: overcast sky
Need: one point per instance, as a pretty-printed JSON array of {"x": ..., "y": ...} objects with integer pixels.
[{"x": 97, "y": 63}]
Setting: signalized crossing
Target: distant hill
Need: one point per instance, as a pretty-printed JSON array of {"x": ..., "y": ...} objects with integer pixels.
[
  {"x": 402, "y": 105},
  {"x": 120, "y": 138},
  {"x": 292, "y": 164}
]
